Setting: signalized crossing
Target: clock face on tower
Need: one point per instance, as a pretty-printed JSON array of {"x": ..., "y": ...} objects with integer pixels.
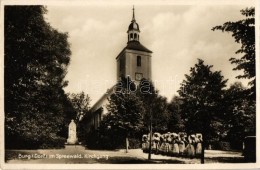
[{"x": 138, "y": 76}]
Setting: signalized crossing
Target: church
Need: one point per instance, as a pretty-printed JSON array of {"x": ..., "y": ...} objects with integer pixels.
[{"x": 133, "y": 61}]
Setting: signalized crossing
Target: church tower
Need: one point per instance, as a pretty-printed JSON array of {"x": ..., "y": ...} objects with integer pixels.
[{"x": 135, "y": 59}]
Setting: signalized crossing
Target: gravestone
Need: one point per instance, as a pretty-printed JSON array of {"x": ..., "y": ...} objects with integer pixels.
[{"x": 72, "y": 138}]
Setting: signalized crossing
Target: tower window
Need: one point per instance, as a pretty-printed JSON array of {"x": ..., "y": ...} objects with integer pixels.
[
  {"x": 139, "y": 61},
  {"x": 131, "y": 36},
  {"x": 135, "y": 36}
]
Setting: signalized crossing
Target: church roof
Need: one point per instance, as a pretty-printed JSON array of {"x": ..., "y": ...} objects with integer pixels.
[
  {"x": 102, "y": 100},
  {"x": 133, "y": 26},
  {"x": 136, "y": 45}
]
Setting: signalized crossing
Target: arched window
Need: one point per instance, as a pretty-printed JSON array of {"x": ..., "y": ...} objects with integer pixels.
[
  {"x": 131, "y": 36},
  {"x": 139, "y": 61},
  {"x": 135, "y": 36}
]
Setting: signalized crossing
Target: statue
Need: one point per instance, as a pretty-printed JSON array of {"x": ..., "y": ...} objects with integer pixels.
[{"x": 72, "y": 139}]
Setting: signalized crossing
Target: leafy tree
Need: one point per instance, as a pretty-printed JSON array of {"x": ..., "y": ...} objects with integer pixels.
[
  {"x": 81, "y": 104},
  {"x": 36, "y": 59},
  {"x": 240, "y": 116},
  {"x": 155, "y": 106},
  {"x": 124, "y": 115},
  {"x": 202, "y": 101},
  {"x": 175, "y": 123},
  {"x": 244, "y": 32}
]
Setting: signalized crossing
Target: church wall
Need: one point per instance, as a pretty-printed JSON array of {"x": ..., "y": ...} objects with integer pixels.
[
  {"x": 121, "y": 60},
  {"x": 99, "y": 110},
  {"x": 98, "y": 116},
  {"x": 131, "y": 64}
]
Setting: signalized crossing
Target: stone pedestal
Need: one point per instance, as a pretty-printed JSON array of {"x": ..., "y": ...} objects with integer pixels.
[{"x": 74, "y": 147}]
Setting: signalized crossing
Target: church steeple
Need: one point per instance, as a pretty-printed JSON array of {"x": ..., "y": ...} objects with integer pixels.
[
  {"x": 133, "y": 29},
  {"x": 133, "y": 19},
  {"x": 135, "y": 60}
]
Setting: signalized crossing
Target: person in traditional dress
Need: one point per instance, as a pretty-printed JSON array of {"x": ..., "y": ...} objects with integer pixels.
[
  {"x": 175, "y": 142},
  {"x": 145, "y": 143},
  {"x": 182, "y": 143},
  {"x": 198, "y": 149},
  {"x": 156, "y": 139},
  {"x": 170, "y": 140},
  {"x": 190, "y": 147},
  {"x": 168, "y": 146},
  {"x": 163, "y": 147},
  {"x": 161, "y": 144}
]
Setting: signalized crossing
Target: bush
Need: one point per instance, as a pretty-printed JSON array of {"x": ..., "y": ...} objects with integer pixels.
[
  {"x": 134, "y": 143},
  {"x": 48, "y": 142},
  {"x": 57, "y": 142},
  {"x": 95, "y": 140}
]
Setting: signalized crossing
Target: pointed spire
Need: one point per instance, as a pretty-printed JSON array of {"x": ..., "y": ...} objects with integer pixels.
[{"x": 133, "y": 19}]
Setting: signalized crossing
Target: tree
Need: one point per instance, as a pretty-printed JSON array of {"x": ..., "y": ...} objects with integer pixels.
[
  {"x": 36, "y": 59},
  {"x": 125, "y": 110},
  {"x": 240, "y": 115},
  {"x": 156, "y": 113},
  {"x": 202, "y": 101},
  {"x": 175, "y": 123},
  {"x": 155, "y": 106},
  {"x": 244, "y": 32},
  {"x": 81, "y": 104}
]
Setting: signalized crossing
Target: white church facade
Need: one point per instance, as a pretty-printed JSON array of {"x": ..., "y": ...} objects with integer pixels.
[{"x": 133, "y": 61}]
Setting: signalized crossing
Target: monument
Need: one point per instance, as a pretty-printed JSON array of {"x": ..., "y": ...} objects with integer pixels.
[
  {"x": 72, "y": 141},
  {"x": 72, "y": 134}
]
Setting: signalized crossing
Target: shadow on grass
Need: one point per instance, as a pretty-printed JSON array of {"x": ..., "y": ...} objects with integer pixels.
[
  {"x": 225, "y": 160},
  {"x": 11, "y": 155}
]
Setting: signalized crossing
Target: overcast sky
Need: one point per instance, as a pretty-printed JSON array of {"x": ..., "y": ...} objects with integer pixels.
[{"x": 177, "y": 35}]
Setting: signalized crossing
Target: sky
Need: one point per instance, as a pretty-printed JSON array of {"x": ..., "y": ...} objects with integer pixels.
[{"x": 177, "y": 34}]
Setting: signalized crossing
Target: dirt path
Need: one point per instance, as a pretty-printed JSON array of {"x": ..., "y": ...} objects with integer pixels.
[{"x": 81, "y": 156}]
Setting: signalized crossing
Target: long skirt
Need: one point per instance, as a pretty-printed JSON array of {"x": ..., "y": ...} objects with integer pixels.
[
  {"x": 162, "y": 148},
  {"x": 145, "y": 146},
  {"x": 167, "y": 147},
  {"x": 190, "y": 150},
  {"x": 182, "y": 148},
  {"x": 170, "y": 148},
  {"x": 198, "y": 149},
  {"x": 176, "y": 149},
  {"x": 157, "y": 147}
]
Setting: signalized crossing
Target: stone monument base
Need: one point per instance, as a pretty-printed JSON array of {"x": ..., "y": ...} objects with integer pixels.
[{"x": 74, "y": 146}]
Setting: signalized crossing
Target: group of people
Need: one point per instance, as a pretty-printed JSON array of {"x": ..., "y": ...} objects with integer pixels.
[{"x": 173, "y": 144}]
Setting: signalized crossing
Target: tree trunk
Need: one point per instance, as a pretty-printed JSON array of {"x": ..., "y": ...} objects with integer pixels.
[
  {"x": 202, "y": 152},
  {"x": 126, "y": 144},
  {"x": 150, "y": 142}
]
